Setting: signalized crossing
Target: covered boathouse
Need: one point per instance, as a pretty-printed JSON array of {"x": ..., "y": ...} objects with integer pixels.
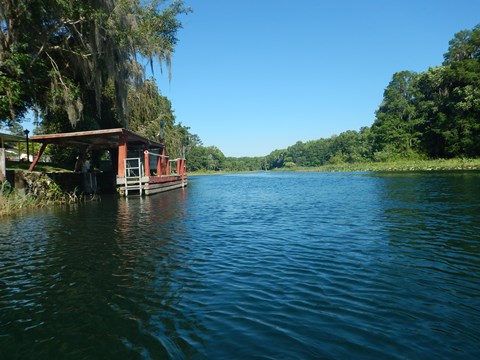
[{"x": 138, "y": 165}]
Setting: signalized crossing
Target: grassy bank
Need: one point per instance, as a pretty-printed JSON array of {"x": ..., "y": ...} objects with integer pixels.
[
  {"x": 15, "y": 202},
  {"x": 41, "y": 167},
  {"x": 404, "y": 165},
  {"x": 40, "y": 191}
]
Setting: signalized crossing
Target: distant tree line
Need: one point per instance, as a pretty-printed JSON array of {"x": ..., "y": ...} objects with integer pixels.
[{"x": 427, "y": 115}]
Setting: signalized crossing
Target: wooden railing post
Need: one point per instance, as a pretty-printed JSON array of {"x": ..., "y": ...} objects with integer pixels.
[
  {"x": 146, "y": 161},
  {"x": 163, "y": 163},
  {"x": 122, "y": 155}
]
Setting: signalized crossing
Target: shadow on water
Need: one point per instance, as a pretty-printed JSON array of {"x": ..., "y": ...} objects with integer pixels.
[
  {"x": 103, "y": 280},
  {"x": 431, "y": 221},
  {"x": 441, "y": 207}
]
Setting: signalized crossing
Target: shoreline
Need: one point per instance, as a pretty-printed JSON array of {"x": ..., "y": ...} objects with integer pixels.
[
  {"x": 391, "y": 166},
  {"x": 15, "y": 202},
  {"x": 404, "y": 165}
]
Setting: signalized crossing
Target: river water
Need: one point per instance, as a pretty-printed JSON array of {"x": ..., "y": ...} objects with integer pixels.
[{"x": 251, "y": 266}]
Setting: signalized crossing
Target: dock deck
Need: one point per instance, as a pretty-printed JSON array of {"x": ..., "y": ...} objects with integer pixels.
[{"x": 141, "y": 166}]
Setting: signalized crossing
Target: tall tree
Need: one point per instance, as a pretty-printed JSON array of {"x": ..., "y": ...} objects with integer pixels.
[
  {"x": 60, "y": 56},
  {"x": 465, "y": 45},
  {"x": 449, "y": 104},
  {"x": 394, "y": 129}
]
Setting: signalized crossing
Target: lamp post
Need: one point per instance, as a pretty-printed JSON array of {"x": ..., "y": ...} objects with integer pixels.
[{"x": 26, "y": 132}]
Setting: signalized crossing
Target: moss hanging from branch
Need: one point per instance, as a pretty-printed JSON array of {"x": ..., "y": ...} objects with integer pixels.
[{"x": 79, "y": 46}]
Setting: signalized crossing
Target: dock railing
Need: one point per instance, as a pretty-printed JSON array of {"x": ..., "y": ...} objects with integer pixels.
[
  {"x": 162, "y": 164},
  {"x": 165, "y": 166}
]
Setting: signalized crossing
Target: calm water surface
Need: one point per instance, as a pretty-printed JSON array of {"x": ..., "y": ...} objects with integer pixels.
[{"x": 255, "y": 266}]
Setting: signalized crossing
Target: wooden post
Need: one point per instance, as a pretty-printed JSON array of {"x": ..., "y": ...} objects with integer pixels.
[
  {"x": 184, "y": 167},
  {"x": 3, "y": 166},
  {"x": 37, "y": 157},
  {"x": 184, "y": 171},
  {"x": 163, "y": 163},
  {"x": 3, "y": 161},
  {"x": 146, "y": 161},
  {"x": 122, "y": 155},
  {"x": 159, "y": 163}
]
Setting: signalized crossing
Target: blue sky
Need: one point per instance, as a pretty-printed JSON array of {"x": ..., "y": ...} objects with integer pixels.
[{"x": 252, "y": 76}]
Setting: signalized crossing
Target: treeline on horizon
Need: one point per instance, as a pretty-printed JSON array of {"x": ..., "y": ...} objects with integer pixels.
[{"x": 428, "y": 115}]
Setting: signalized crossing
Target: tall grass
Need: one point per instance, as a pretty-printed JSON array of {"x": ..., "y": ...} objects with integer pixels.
[{"x": 13, "y": 202}]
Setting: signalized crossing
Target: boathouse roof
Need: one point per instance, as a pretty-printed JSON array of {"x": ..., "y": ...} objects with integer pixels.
[
  {"x": 97, "y": 139},
  {"x": 7, "y": 138}
]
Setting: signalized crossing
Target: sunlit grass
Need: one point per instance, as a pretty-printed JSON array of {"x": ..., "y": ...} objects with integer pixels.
[
  {"x": 406, "y": 165},
  {"x": 14, "y": 203},
  {"x": 42, "y": 193},
  {"x": 42, "y": 167},
  {"x": 400, "y": 165}
]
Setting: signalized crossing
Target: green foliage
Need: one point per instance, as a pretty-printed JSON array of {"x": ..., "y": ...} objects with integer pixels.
[
  {"x": 450, "y": 110},
  {"x": 396, "y": 124},
  {"x": 147, "y": 110},
  {"x": 61, "y": 56},
  {"x": 205, "y": 158},
  {"x": 347, "y": 147},
  {"x": 80, "y": 65},
  {"x": 276, "y": 159},
  {"x": 12, "y": 88},
  {"x": 41, "y": 192},
  {"x": 465, "y": 45},
  {"x": 245, "y": 164},
  {"x": 435, "y": 113}
]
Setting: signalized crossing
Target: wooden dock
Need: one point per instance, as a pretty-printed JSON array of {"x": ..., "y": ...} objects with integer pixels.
[{"x": 142, "y": 166}]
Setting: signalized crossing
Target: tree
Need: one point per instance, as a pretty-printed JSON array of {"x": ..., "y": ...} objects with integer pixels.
[
  {"x": 350, "y": 146},
  {"x": 205, "y": 158},
  {"x": 450, "y": 107},
  {"x": 61, "y": 56},
  {"x": 394, "y": 129},
  {"x": 296, "y": 154},
  {"x": 465, "y": 45},
  {"x": 319, "y": 151},
  {"x": 276, "y": 159},
  {"x": 245, "y": 163}
]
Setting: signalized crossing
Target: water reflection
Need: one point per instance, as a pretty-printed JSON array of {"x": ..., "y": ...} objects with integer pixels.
[
  {"x": 100, "y": 281},
  {"x": 443, "y": 208},
  {"x": 431, "y": 221},
  {"x": 261, "y": 265}
]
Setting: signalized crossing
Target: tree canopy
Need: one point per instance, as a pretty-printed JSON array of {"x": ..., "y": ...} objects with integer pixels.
[{"x": 71, "y": 60}]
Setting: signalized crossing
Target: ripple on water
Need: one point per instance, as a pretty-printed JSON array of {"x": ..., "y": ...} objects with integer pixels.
[{"x": 271, "y": 266}]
